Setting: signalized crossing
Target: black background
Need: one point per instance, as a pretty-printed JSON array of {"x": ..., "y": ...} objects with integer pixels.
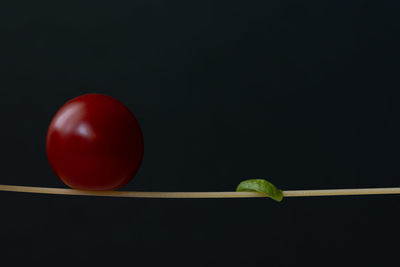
[{"x": 303, "y": 93}]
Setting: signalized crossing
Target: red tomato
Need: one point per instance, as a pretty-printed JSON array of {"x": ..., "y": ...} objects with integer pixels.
[{"x": 94, "y": 142}]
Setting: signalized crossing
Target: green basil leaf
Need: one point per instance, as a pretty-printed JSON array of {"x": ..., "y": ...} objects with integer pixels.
[{"x": 261, "y": 186}]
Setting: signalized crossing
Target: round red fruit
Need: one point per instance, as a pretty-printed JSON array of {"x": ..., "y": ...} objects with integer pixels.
[{"x": 94, "y": 142}]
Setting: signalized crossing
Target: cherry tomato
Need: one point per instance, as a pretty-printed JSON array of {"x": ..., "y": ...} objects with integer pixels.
[{"x": 94, "y": 142}]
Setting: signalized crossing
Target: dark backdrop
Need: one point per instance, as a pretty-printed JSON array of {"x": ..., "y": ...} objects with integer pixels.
[{"x": 303, "y": 93}]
